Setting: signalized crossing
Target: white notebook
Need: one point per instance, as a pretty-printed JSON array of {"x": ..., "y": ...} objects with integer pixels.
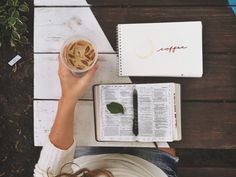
[{"x": 160, "y": 49}]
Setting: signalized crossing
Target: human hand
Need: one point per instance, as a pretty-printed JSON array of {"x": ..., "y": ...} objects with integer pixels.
[{"x": 73, "y": 87}]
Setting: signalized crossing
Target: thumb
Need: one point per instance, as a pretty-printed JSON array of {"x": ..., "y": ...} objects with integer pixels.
[{"x": 90, "y": 74}]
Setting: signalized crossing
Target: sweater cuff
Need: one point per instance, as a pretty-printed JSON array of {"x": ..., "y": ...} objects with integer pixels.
[{"x": 52, "y": 159}]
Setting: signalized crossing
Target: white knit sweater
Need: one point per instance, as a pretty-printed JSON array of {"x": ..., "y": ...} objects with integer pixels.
[{"x": 52, "y": 160}]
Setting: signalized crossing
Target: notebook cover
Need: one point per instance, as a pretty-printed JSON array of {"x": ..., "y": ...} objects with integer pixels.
[{"x": 160, "y": 49}]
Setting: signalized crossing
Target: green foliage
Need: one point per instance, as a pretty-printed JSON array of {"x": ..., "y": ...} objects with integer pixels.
[
  {"x": 13, "y": 26},
  {"x": 115, "y": 108}
]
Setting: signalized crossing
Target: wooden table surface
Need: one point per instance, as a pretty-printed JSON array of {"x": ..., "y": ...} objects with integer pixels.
[
  {"x": 208, "y": 103},
  {"x": 209, "y": 114}
]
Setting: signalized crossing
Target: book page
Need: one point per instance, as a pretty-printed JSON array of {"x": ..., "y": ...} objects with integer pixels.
[
  {"x": 117, "y": 127},
  {"x": 155, "y": 112}
]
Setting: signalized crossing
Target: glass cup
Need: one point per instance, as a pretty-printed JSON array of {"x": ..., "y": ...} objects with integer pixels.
[{"x": 81, "y": 51}]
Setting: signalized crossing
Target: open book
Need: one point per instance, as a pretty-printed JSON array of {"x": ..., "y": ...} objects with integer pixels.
[{"x": 159, "y": 117}]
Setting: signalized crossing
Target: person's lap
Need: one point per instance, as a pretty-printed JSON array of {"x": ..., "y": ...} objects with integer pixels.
[{"x": 163, "y": 160}]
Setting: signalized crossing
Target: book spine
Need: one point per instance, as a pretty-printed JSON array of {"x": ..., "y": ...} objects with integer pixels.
[{"x": 119, "y": 48}]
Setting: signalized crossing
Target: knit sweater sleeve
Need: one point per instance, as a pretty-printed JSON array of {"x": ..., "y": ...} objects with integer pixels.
[{"x": 52, "y": 159}]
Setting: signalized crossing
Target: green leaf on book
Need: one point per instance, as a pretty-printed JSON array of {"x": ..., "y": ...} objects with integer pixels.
[{"x": 115, "y": 108}]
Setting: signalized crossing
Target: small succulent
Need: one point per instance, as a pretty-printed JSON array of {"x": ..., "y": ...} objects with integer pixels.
[{"x": 13, "y": 26}]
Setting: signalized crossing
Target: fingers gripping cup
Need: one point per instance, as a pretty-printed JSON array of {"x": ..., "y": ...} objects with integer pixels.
[{"x": 78, "y": 54}]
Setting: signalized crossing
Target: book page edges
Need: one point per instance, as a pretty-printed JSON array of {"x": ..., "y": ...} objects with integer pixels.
[
  {"x": 97, "y": 113},
  {"x": 178, "y": 130}
]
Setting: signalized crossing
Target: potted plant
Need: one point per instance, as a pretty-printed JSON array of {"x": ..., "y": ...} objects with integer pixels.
[{"x": 13, "y": 28}]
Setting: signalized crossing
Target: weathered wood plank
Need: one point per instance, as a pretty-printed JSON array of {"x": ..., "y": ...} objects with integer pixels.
[
  {"x": 45, "y": 112},
  {"x": 204, "y": 125},
  {"x": 131, "y": 2},
  {"x": 60, "y": 3},
  {"x": 52, "y": 26},
  {"x": 206, "y": 172},
  {"x": 219, "y": 24},
  {"x": 157, "y": 3},
  {"x": 208, "y": 125},
  {"x": 46, "y": 81},
  {"x": 218, "y": 81}
]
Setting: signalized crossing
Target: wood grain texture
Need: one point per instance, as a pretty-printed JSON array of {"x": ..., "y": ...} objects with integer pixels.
[
  {"x": 218, "y": 81},
  {"x": 60, "y": 3},
  {"x": 52, "y": 26},
  {"x": 46, "y": 81},
  {"x": 131, "y": 2},
  {"x": 204, "y": 125},
  {"x": 206, "y": 172},
  {"x": 208, "y": 126},
  {"x": 219, "y": 24},
  {"x": 45, "y": 112},
  {"x": 157, "y": 2}
]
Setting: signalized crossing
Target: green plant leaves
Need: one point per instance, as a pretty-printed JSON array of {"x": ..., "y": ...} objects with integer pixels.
[
  {"x": 23, "y": 8},
  {"x": 11, "y": 10},
  {"x": 10, "y": 2},
  {"x": 15, "y": 14},
  {"x": 16, "y": 35},
  {"x": 11, "y": 21},
  {"x": 16, "y": 2},
  {"x": 115, "y": 108},
  {"x": 24, "y": 19},
  {"x": 24, "y": 40},
  {"x": 2, "y": 19},
  {"x": 13, "y": 26},
  {"x": 19, "y": 22},
  {"x": 2, "y": 10}
]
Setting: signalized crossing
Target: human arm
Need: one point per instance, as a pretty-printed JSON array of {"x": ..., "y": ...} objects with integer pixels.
[
  {"x": 59, "y": 149},
  {"x": 72, "y": 88}
]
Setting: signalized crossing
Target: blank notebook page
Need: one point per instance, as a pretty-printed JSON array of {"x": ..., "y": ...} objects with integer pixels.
[{"x": 160, "y": 49}]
